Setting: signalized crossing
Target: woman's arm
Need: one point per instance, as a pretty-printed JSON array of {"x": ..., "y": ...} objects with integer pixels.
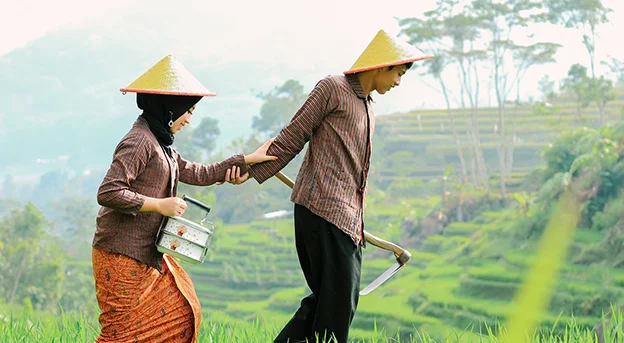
[
  {"x": 198, "y": 174},
  {"x": 233, "y": 170},
  {"x": 129, "y": 161},
  {"x": 116, "y": 191}
]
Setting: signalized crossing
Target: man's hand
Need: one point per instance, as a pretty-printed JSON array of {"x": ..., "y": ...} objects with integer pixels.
[{"x": 234, "y": 177}]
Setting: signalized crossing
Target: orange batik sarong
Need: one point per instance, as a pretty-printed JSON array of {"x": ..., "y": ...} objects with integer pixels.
[{"x": 139, "y": 304}]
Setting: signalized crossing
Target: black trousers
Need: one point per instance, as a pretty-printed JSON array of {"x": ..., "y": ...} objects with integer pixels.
[{"x": 331, "y": 264}]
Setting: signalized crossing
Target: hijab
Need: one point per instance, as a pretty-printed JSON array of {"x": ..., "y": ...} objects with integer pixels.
[{"x": 161, "y": 110}]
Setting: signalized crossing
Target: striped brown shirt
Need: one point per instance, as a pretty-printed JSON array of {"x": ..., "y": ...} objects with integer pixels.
[
  {"x": 140, "y": 168},
  {"x": 338, "y": 121}
]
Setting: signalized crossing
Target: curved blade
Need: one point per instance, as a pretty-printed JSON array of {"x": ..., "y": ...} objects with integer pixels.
[{"x": 381, "y": 279}]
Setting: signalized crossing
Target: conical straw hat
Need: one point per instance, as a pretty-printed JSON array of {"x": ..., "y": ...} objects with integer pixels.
[
  {"x": 385, "y": 51},
  {"x": 168, "y": 76}
]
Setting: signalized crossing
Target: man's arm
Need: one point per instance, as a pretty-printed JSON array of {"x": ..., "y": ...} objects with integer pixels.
[{"x": 292, "y": 138}]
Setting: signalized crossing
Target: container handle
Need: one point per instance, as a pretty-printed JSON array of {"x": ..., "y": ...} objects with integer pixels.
[{"x": 196, "y": 202}]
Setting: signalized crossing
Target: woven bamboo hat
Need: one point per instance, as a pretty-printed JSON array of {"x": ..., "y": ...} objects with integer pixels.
[
  {"x": 384, "y": 51},
  {"x": 168, "y": 76}
]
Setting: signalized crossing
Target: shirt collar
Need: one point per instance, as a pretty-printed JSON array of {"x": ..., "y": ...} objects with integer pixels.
[{"x": 354, "y": 81}]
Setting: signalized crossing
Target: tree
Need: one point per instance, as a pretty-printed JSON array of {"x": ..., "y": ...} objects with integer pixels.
[
  {"x": 601, "y": 92},
  {"x": 501, "y": 20},
  {"x": 546, "y": 86},
  {"x": 616, "y": 66},
  {"x": 278, "y": 107},
  {"x": 235, "y": 204},
  {"x": 465, "y": 31},
  {"x": 76, "y": 223},
  {"x": 199, "y": 143},
  {"x": 583, "y": 15},
  {"x": 590, "y": 161},
  {"x": 577, "y": 83},
  {"x": 32, "y": 268},
  {"x": 431, "y": 32},
  {"x": 524, "y": 58},
  {"x": 50, "y": 185},
  {"x": 450, "y": 31}
]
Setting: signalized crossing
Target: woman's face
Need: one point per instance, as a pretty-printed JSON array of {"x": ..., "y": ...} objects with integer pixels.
[{"x": 184, "y": 120}]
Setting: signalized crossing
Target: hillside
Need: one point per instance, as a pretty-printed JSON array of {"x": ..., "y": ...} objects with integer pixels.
[
  {"x": 453, "y": 282},
  {"x": 462, "y": 276},
  {"x": 420, "y": 143}
]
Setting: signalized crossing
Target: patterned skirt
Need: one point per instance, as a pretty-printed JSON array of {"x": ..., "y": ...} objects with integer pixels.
[{"x": 139, "y": 304}]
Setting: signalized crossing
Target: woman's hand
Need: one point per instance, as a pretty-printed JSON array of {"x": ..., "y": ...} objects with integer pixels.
[
  {"x": 172, "y": 206},
  {"x": 260, "y": 155}
]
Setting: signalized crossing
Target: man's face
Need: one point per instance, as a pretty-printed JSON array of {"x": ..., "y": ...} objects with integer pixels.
[{"x": 388, "y": 78}]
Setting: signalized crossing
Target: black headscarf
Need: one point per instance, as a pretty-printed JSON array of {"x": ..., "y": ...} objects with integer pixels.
[{"x": 160, "y": 109}]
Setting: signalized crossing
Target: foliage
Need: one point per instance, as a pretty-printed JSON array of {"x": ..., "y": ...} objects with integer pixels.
[
  {"x": 577, "y": 13},
  {"x": 198, "y": 144},
  {"x": 616, "y": 66},
  {"x": 406, "y": 187},
  {"x": 546, "y": 86},
  {"x": 278, "y": 107},
  {"x": 584, "y": 15},
  {"x": 473, "y": 265},
  {"x": 32, "y": 267},
  {"x": 611, "y": 213},
  {"x": 20, "y": 327},
  {"x": 577, "y": 83},
  {"x": 545, "y": 108},
  {"x": 601, "y": 92},
  {"x": 587, "y": 160},
  {"x": 609, "y": 251}
]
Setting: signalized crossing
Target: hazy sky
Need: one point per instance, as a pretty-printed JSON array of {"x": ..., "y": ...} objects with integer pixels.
[
  {"x": 320, "y": 37},
  {"x": 306, "y": 40}
]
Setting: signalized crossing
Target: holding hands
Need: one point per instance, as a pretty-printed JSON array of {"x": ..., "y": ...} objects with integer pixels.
[
  {"x": 174, "y": 206},
  {"x": 260, "y": 155},
  {"x": 233, "y": 175}
]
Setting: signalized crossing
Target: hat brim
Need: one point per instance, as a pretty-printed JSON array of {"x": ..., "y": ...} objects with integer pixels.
[
  {"x": 395, "y": 63},
  {"x": 165, "y": 92}
]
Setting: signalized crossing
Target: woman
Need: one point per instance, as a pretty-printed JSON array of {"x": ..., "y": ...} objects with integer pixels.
[{"x": 146, "y": 296}]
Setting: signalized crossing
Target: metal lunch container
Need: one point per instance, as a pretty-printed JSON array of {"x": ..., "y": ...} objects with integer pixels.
[{"x": 185, "y": 239}]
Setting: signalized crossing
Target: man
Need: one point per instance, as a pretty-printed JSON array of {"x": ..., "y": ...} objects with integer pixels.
[{"x": 338, "y": 121}]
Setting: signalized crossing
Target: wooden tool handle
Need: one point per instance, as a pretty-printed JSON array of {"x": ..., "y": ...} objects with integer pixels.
[
  {"x": 401, "y": 254},
  {"x": 285, "y": 179}
]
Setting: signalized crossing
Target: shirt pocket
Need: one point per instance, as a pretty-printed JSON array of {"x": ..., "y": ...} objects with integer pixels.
[{"x": 338, "y": 187}]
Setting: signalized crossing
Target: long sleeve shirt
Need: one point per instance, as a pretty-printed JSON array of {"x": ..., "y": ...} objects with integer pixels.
[
  {"x": 338, "y": 122},
  {"x": 140, "y": 168}
]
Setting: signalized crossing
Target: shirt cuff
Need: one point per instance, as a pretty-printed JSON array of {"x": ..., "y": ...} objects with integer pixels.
[{"x": 239, "y": 161}]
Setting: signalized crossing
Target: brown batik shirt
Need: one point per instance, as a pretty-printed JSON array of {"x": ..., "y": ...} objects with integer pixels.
[
  {"x": 141, "y": 168},
  {"x": 338, "y": 122}
]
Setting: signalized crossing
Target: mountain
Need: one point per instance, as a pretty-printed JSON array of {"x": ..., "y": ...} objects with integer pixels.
[{"x": 63, "y": 109}]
